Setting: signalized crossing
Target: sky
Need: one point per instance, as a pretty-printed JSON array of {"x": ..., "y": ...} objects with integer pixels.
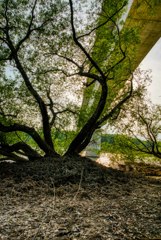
[{"x": 153, "y": 61}]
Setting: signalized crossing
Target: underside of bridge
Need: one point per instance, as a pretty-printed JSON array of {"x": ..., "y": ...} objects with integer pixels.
[{"x": 146, "y": 16}]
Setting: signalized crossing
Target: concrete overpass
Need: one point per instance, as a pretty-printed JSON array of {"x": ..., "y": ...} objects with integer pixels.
[{"x": 145, "y": 16}]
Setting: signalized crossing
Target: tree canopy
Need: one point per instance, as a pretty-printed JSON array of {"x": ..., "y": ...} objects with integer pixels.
[{"x": 54, "y": 54}]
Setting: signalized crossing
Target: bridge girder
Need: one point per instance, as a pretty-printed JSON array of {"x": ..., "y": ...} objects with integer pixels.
[{"x": 147, "y": 18}]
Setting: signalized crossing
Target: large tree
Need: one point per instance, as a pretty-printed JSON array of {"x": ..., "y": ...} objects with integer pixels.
[{"x": 53, "y": 52}]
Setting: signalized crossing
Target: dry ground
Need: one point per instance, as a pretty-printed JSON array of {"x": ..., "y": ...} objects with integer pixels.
[{"x": 74, "y": 198}]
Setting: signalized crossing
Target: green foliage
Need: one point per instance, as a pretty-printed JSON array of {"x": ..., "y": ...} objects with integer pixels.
[
  {"x": 118, "y": 144},
  {"x": 130, "y": 149},
  {"x": 62, "y": 140}
]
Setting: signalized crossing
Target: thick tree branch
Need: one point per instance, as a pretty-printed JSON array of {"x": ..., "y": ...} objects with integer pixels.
[
  {"x": 117, "y": 106},
  {"x": 30, "y": 131},
  {"x": 51, "y": 107},
  {"x": 26, "y": 150},
  {"x": 91, "y": 75},
  {"x": 81, "y": 46},
  {"x": 11, "y": 156},
  {"x": 34, "y": 93},
  {"x": 79, "y": 142}
]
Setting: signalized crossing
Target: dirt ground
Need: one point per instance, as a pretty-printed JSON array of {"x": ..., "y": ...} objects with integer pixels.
[{"x": 75, "y": 198}]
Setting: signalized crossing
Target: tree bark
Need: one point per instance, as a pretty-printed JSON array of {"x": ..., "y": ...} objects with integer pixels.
[
  {"x": 32, "y": 132},
  {"x": 21, "y": 146},
  {"x": 83, "y": 137},
  {"x": 34, "y": 93}
]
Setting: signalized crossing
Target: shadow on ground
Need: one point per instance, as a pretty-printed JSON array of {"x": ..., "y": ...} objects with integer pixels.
[{"x": 76, "y": 198}]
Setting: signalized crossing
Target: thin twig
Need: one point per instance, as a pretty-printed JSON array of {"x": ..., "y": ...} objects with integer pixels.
[{"x": 80, "y": 183}]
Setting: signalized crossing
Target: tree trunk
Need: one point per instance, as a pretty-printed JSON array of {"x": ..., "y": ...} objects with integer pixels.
[
  {"x": 84, "y": 136},
  {"x": 34, "y": 93}
]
